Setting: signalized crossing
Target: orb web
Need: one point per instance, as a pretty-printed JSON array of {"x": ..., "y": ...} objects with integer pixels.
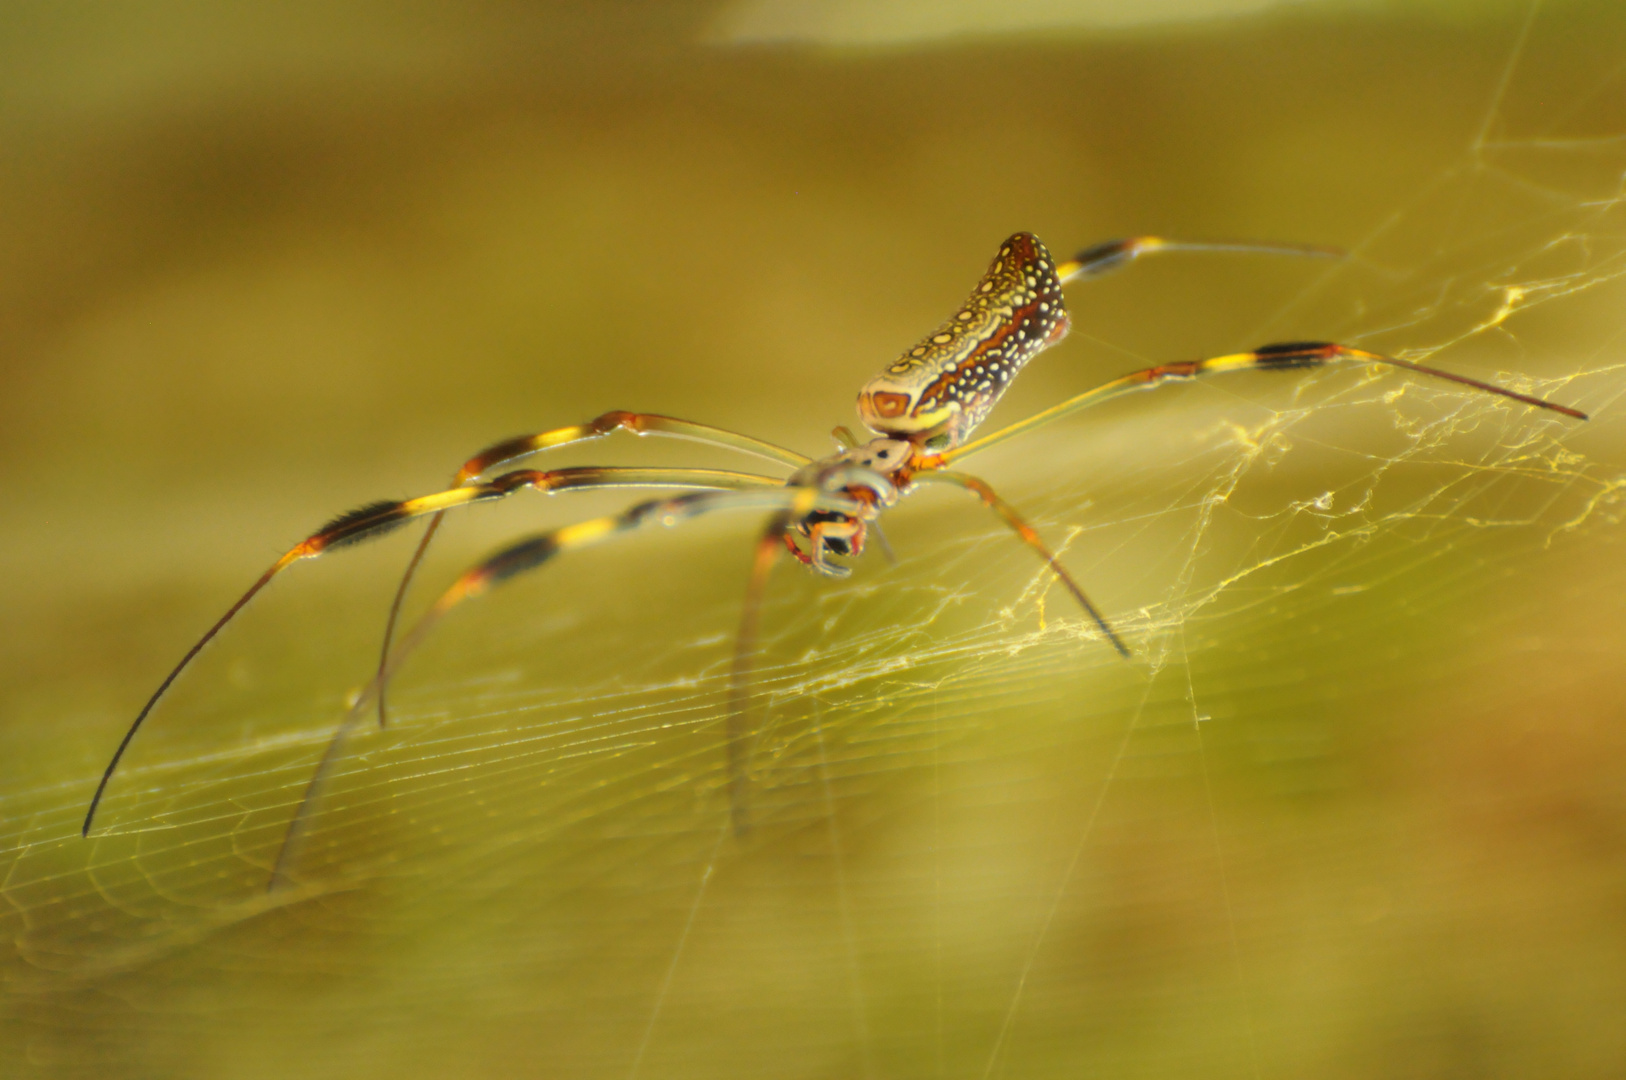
[{"x": 943, "y": 745}]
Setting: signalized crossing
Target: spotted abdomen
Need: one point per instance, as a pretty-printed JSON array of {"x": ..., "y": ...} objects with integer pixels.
[{"x": 945, "y": 386}]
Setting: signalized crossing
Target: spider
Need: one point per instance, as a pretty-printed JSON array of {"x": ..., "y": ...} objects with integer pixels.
[{"x": 921, "y": 412}]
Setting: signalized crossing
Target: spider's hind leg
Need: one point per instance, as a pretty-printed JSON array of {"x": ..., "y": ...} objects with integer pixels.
[
  {"x": 1281, "y": 356},
  {"x": 1104, "y": 258}
]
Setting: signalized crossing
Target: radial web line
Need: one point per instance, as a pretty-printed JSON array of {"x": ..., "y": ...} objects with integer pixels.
[
  {"x": 677, "y": 952},
  {"x": 1118, "y": 755},
  {"x": 1499, "y": 95},
  {"x": 855, "y": 974},
  {"x": 1197, "y": 719}
]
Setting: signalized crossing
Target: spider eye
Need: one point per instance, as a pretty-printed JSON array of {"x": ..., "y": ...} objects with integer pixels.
[{"x": 882, "y": 454}]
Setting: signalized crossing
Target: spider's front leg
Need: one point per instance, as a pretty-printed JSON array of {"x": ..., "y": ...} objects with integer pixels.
[
  {"x": 375, "y": 519},
  {"x": 533, "y": 552},
  {"x": 510, "y": 450}
]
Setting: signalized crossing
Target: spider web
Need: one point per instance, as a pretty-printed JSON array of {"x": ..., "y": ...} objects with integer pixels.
[{"x": 982, "y": 844}]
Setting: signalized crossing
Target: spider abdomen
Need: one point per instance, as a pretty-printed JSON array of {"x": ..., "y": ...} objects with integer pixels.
[{"x": 948, "y": 383}]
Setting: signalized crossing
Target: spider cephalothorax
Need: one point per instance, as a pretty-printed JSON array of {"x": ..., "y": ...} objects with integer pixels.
[
  {"x": 923, "y": 409},
  {"x": 873, "y": 476}
]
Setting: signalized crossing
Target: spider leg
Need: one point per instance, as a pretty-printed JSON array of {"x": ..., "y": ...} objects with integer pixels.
[
  {"x": 531, "y": 553},
  {"x": 511, "y": 449},
  {"x": 886, "y": 545},
  {"x": 776, "y": 538},
  {"x": 1288, "y": 356},
  {"x": 375, "y": 519},
  {"x": 1113, "y": 255},
  {"x": 744, "y": 666},
  {"x": 620, "y": 420},
  {"x": 1004, "y": 509}
]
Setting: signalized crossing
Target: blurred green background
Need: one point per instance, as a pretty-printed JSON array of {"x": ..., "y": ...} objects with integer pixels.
[{"x": 1356, "y": 808}]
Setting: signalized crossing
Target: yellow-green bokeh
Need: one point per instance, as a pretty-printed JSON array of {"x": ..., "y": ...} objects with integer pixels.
[{"x": 1354, "y": 809}]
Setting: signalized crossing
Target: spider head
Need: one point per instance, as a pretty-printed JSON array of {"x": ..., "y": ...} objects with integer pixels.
[
  {"x": 871, "y": 475},
  {"x": 871, "y": 472}
]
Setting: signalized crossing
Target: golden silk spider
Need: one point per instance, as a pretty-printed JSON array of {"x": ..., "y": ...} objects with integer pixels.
[{"x": 921, "y": 411}]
